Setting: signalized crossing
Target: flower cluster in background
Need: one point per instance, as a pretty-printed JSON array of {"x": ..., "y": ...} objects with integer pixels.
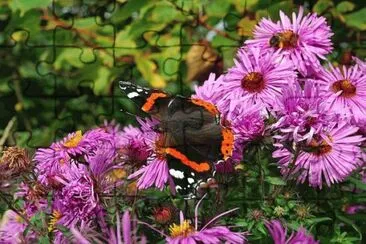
[{"x": 298, "y": 124}]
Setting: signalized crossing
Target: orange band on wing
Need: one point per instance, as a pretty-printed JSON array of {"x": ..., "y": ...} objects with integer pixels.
[
  {"x": 208, "y": 106},
  {"x": 198, "y": 167},
  {"x": 150, "y": 101},
  {"x": 227, "y": 146}
]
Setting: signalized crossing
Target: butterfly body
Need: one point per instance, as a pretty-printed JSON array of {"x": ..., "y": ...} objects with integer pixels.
[{"x": 191, "y": 136}]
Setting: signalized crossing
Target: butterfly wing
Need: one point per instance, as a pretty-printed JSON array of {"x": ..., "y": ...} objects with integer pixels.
[
  {"x": 197, "y": 137},
  {"x": 151, "y": 101}
]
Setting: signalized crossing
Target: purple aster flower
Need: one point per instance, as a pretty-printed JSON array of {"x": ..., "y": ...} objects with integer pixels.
[
  {"x": 75, "y": 203},
  {"x": 243, "y": 118},
  {"x": 55, "y": 160},
  {"x": 301, "y": 41},
  {"x": 332, "y": 154},
  {"x": 156, "y": 172},
  {"x": 35, "y": 197},
  {"x": 361, "y": 64},
  {"x": 186, "y": 233},
  {"x": 125, "y": 233},
  {"x": 226, "y": 166},
  {"x": 50, "y": 163},
  {"x": 258, "y": 77},
  {"x": 211, "y": 90},
  {"x": 344, "y": 90},
  {"x": 278, "y": 234},
  {"x": 246, "y": 120},
  {"x": 12, "y": 228},
  {"x": 353, "y": 209},
  {"x": 79, "y": 195},
  {"x": 132, "y": 147},
  {"x": 301, "y": 113}
]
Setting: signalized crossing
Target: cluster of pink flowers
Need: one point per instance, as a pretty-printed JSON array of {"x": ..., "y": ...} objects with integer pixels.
[{"x": 319, "y": 129}]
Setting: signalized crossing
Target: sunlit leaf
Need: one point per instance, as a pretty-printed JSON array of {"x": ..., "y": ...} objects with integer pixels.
[
  {"x": 345, "y": 6},
  {"x": 357, "y": 19},
  {"x": 25, "y": 5}
]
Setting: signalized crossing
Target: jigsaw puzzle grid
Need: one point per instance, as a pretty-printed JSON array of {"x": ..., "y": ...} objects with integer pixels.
[{"x": 70, "y": 56}]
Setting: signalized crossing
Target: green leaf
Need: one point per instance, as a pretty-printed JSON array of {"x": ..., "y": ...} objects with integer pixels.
[
  {"x": 246, "y": 26},
  {"x": 345, "y": 6},
  {"x": 241, "y": 6},
  {"x": 351, "y": 223},
  {"x": 359, "y": 184},
  {"x": 218, "y": 8},
  {"x": 322, "y": 5},
  {"x": 319, "y": 220},
  {"x": 357, "y": 19},
  {"x": 148, "y": 71},
  {"x": 163, "y": 12},
  {"x": 44, "y": 240},
  {"x": 284, "y": 6},
  {"x": 275, "y": 181},
  {"x": 102, "y": 81},
  {"x": 123, "y": 39},
  {"x": 25, "y": 5},
  {"x": 127, "y": 9}
]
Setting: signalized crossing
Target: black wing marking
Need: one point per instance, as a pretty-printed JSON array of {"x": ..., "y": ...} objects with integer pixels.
[{"x": 139, "y": 96}]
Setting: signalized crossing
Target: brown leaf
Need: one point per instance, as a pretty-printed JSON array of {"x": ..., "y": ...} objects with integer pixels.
[{"x": 201, "y": 60}]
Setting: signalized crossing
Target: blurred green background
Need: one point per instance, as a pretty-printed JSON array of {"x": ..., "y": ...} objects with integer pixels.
[{"x": 60, "y": 59}]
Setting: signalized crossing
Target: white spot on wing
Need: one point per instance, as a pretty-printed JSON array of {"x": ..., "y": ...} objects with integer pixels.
[
  {"x": 139, "y": 90},
  {"x": 132, "y": 94},
  {"x": 176, "y": 173},
  {"x": 190, "y": 180},
  {"x": 192, "y": 174}
]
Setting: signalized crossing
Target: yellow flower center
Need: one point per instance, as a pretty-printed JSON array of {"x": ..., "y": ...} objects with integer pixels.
[
  {"x": 184, "y": 229},
  {"x": 253, "y": 82},
  {"x": 347, "y": 88},
  {"x": 116, "y": 174},
  {"x": 56, "y": 216},
  {"x": 74, "y": 140},
  {"x": 19, "y": 219}
]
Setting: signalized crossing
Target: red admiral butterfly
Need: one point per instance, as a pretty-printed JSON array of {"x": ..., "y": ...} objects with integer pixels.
[{"x": 193, "y": 137}]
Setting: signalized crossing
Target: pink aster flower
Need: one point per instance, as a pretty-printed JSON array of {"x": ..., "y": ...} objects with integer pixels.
[
  {"x": 125, "y": 232},
  {"x": 34, "y": 196},
  {"x": 244, "y": 118},
  {"x": 50, "y": 163},
  {"x": 301, "y": 41},
  {"x": 56, "y": 160},
  {"x": 211, "y": 90},
  {"x": 131, "y": 146},
  {"x": 76, "y": 202},
  {"x": 12, "y": 228},
  {"x": 331, "y": 155},
  {"x": 258, "y": 77},
  {"x": 353, "y": 209},
  {"x": 361, "y": 64},
  {"x": 344, "y": 90},
  {"x": 79, "y": 195},
  {"x": 278, "y": 234},
  {"x": 156, "y": 171},
  {"x": 247, "y": 124},
  {"x": 301, "y": 113},
  {"x": 186, "y": 233}
]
